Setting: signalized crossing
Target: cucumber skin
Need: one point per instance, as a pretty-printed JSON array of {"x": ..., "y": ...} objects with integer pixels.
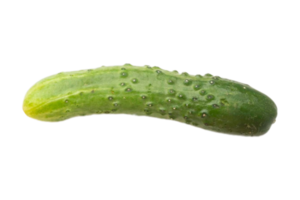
[{"x": 209, "y": 102}]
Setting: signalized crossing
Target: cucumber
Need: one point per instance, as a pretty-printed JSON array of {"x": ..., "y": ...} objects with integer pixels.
[{"x": 209, "y": 102}]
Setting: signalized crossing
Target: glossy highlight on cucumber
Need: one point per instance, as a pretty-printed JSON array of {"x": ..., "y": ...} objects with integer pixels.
[{"x": 207, "y": 101}]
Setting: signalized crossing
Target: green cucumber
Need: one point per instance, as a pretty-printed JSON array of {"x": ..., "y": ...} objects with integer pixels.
[{"x": 209, "y": 102}]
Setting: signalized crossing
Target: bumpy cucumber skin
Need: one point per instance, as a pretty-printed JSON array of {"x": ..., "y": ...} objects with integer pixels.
[{"x": 209, "y": 102}]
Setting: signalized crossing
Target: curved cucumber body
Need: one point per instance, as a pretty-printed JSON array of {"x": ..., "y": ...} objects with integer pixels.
[{"x": 209, "y": 102}]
